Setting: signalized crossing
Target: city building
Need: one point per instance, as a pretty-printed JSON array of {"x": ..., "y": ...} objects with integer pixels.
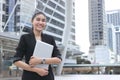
[
  {"x": 113, "y": 17},
  {"x": 113, "y": 40},
  {"x": 96, "y": 22},
  {"x": 117, "y": 35},
  {"x": 19, "y": 12},
  {"x": 107, "y": 56},
  {"x": 97, "y": 26}
]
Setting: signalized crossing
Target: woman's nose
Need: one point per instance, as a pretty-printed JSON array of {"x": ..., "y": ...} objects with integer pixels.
[{"x": 41, "y": 22}]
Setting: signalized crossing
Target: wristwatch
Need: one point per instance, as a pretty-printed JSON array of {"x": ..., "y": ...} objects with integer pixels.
[{"x": 43, "y": 61}]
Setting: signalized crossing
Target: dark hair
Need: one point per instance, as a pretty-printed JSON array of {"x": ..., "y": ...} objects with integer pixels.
[{"x": 37, "y": 14}]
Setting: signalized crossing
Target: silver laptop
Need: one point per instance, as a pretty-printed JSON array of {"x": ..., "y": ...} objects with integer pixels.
[{"x": 43, "y": 50}]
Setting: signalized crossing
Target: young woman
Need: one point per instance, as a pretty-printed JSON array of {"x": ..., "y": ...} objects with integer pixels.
[{"x": 25, "y": 49}]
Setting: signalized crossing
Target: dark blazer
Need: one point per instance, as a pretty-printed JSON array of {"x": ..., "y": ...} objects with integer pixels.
[{"x": 25, "y": 50}]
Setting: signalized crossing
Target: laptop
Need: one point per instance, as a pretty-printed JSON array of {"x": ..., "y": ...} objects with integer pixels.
[{"x": 43, "y": 50}]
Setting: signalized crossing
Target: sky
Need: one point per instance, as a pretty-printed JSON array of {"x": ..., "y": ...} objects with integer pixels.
[{"x": 81, "y": 15}]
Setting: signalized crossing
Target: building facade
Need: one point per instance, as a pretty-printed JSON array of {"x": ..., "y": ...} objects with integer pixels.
[
  {"x": 107, "y": 56},
  {"x": 117, "y": 34},
  {"x": 96, "y": 22},
  {"x": 113, "y": 17},
  {"x": 97, "y": 26},
  {"x": 16, "y": 15}
]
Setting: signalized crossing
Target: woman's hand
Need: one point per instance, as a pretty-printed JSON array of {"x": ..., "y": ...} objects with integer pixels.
[
  {"x": 41, "y": 71},
  {"x": 34, "y": 61}
]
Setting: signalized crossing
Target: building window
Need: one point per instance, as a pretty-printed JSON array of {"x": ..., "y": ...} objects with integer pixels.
[
  {"x": 73, "y": 23},
  {"x": 4, "y": 7},
  {"x": 48, "y": 18},
  {"x": 17, "y": 19},
  {"x": 18, "y": 8},
  {"x": 73, "y": 30},
  {"x": 40, "y": 6},
  {"x": 73, "y": 37},
  {"x": 44, "y": 1},
  {"x": 49, "y": 11},
  {"x": 54, "y": 22},
  {"x": 4, "y": 18},
  {"x": 62, "y": 3},
  {"x": 56, "y": 0},
  {"x": 74, "y": 4},
  {"x": 117, "y": 28},
  {"x": 73, "y": 10},
  {"x": 59, "y": 16},
  {"x": 51, "y": 4},
  {"x": 73, "y": 17},
  {"x": 54, "y": 30},
  {"x": 60, "y": 9},
  {"x": 57, "y": 39}
]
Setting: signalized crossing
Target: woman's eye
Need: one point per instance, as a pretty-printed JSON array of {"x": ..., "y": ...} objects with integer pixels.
[
  {"x": 43, "y": 20},
  {"x": 38, "y": 19}
]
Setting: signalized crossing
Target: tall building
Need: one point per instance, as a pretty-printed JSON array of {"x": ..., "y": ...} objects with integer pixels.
[
  {"x": 97, "y": 27},
  {"x": 113, "y": 17},
  {"x": 113, "y": 39},
  {"x": 96, "y": 23}
]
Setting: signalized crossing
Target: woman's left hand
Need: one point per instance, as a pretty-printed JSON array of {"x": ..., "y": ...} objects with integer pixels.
[{"x": 34, "y": 61}]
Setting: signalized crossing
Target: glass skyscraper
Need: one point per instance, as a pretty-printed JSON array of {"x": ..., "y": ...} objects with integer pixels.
[{"x": 96, "y": 22}]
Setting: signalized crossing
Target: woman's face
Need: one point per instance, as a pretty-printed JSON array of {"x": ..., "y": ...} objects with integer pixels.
[{"x": 39, "y": 22}]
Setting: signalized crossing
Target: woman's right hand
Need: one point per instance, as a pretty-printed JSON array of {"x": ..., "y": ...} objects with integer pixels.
[{"x": 41, "y": 71}]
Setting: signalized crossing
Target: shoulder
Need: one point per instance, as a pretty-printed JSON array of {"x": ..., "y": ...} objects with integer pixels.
[{"x": 26, "y": 35}]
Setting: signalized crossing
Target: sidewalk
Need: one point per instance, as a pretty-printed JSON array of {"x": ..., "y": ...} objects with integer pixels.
[{"x": 78, "y": 77}]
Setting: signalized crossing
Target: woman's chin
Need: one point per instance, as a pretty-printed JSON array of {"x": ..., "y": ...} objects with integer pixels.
[{"x": 40, "y": 29}]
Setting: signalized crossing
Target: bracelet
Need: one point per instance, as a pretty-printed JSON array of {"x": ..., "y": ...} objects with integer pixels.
[{"x": 43, "y": 61}]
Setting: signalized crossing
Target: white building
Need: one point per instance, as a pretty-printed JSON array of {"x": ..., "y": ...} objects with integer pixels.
[
  {"x": 113, "y": 40},
  {"x": 103, "y": 55},
  {"x": 117, "y": 35},
  {"x": 113, "y": 17},
  {"x": 111, "y": 37}
]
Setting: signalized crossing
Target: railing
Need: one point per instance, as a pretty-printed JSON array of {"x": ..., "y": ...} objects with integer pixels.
[{"x": 76, "y": 66}]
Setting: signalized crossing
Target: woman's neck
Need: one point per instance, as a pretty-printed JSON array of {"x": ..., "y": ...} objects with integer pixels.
[{"x": 37, "y": 35}]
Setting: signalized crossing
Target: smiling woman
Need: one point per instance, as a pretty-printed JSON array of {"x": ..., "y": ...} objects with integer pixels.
[{"x": 26, "y": 47}]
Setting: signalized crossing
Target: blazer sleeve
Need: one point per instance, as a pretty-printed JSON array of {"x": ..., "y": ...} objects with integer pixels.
[
  {"x": 20, "y": 50},
  {"x": 56, "y": 52}
]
